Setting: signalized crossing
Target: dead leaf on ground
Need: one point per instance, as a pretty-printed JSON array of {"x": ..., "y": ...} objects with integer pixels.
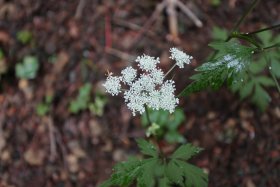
[{"x": 34, "y": 156}]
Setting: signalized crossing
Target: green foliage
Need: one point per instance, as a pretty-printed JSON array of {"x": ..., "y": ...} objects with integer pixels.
[
  {"x": 215, "y": 2},
  {"x": 43, "y": 108},
  {"x": 232, "y": 62},
  {"x": 24, "y": 36},
  {"x": 97, "y": 107},
  {"x": 83, "y": 101},
  {"x": 156, "y": 169},
  {"x": 168, "y": 124},
  {"x": 219, "y": 34},
  {"x": 28, "y": 68},
  {"x": 256, "y": 81},
  {"x": 252, "y": 81}
]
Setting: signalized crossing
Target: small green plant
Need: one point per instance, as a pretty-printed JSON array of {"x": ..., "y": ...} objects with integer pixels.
[
  {"x": 24, "y": 36},
  {"x": 43, "y": 108},
  {"x": 97, "y": 107},
  {"x": 159, "y": 169},
  {"x": 150, "y": 89},
  {"x": 167, "y": 124},
  {"x": 83, "y": 101},
  {"x": 28, "y": 68}
]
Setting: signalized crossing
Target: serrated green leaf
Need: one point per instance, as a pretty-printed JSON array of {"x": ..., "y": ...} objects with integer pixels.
[
  {"x": 146, "y": 178},
  {"x": 147, "y": 148},
  {"x": 174, "y": 173},
  {"x": 124, "y": 173},
  {"x": 232, "y": 62},
  {"x": 194, "y": 176},
  {"x": 265, "y": 81},
  {"x": 185, "y": 152}
]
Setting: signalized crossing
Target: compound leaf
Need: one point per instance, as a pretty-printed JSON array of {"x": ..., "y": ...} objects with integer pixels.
[{"x": 185, "y": 152}]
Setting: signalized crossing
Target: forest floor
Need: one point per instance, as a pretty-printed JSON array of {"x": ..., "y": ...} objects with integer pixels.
[{"x": 76, "y": 44}]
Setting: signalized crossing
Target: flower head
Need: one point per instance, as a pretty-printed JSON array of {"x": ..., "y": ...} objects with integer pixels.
[
  {"x": 146, "y": 62},
  {"x": 148, "y": 88},
  {"x": 180, "y": 57},
  {"x": 112, "y": 85},
  {"x": 128, "y": 75}
]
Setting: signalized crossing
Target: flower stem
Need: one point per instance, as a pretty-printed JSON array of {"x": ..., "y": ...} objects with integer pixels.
[
  {"x": 155, "y": 139},
  {"x": 148, "y": 116},
  {"x": 170, "y": 70}
]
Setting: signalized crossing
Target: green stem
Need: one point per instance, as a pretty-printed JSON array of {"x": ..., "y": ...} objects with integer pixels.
[
  {"x": 264, "y": 29},
  {"x": 241, "y": 20},
  {"x": 272, "y": 46},
  {"x": 246, "y": 38},
  {"x": 148, "y": 116},
  {"x": 155, "y": 138},
  {"x": 238, "y": 23}
]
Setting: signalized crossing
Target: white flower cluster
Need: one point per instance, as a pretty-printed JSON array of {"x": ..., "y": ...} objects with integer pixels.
[
  {"x": 149, "y": 88},
  {"x": 180, "y": 57}
]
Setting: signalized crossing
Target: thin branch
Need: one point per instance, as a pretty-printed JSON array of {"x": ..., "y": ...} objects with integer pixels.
[
  {"x": 264, "y": 29},
  {"x": 189, "y": 13},
  {"x": 80, "y": 8}
]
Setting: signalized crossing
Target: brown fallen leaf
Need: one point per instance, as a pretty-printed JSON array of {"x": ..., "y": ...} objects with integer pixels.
[
  {"x": 73, "y": 164},
  {"x": 34, "y": 156}
]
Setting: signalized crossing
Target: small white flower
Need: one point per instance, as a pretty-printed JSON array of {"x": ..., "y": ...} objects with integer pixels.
[
  {"x": 147, "y": 63},
  {"x": 157, "y": 76},
  {"x": 128, "y": 75},
  {"x": 168, "y": 99},
  {"x": 180, "y": 57},
  {"x": 112, "y": 85}
]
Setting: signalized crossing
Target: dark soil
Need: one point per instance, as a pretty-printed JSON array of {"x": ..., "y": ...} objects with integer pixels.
[{"x": 63, "y": 149}]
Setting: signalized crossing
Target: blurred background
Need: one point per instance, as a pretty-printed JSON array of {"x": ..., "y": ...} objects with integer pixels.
[{"x": 59, "y": 128}]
